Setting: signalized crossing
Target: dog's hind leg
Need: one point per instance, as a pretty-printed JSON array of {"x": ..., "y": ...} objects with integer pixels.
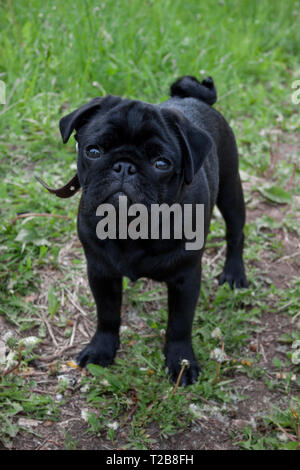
[{"x": 231, "y": 204}]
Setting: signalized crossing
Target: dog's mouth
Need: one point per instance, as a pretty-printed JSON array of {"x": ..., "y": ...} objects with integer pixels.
[{"x": 115, "y": 197}]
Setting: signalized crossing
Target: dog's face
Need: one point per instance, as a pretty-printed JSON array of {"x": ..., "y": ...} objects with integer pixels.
[
  {"x": 135, "y": 149},
  {"x": 128, "y": 151}
]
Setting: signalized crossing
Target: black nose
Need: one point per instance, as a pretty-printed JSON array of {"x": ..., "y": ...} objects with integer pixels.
[{"x": 124, "y": 167}]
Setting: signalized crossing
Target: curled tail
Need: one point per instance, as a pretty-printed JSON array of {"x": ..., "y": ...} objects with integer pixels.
[{"x": 190, "y": 87}]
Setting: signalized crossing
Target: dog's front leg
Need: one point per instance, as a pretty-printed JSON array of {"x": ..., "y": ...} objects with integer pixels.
[
  {"x": 182, "y": 299},
  {"x": 105, "y": 342}
]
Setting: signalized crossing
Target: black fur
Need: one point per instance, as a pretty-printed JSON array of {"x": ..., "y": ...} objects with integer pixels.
[
  {"x": 190, "y": 87},
  {"x": 201, "y": 147}
]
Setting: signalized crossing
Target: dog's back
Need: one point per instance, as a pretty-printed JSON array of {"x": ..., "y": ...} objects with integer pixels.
[{"x": 194, "y": 99}]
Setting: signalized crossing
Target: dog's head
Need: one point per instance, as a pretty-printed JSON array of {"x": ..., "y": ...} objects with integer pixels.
[{"x": 134, "y": 148}]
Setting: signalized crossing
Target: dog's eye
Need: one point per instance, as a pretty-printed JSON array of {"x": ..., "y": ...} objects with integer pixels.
[
  {"x": 162, "y": 164},
  {"x": 94, "y": 151}
]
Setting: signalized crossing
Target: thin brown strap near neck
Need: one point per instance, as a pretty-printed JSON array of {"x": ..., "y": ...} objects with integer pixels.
[{"x": 65, "y": 191}]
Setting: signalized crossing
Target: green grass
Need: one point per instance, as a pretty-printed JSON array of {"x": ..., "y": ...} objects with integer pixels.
[
  {"x": 56, "y": 56},
  {"x": 280, "y": 431},
  {"x": 17, "y": 399}
]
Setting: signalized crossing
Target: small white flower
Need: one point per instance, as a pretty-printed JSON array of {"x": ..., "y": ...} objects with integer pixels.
[
  {"x": 10, "y": 360},
  {"x": 282, "y": 437},
  {"x": 296, "y": 357},
  {"x": 193, "y": 407},
  {"x": 105, "y": 382},
  {"x": 28, "y": 422},
  {"x": 216, "y": 333},
  {"x": 296, "y": 344},
  {"x": 30, "y": 341},
  {"x": 85, "y": 388},
  {"x": 6, "y": 337},
  {"x": 114, "y": 425},
  {"x": 218, "y": 355},
  {"x": 185, "y": 363},
  {"x": 3, "y": 349},
  {"x": 85, "y": 415},
  {"x": 63, "y": 378},
  {"x": 195, "y": 411}
]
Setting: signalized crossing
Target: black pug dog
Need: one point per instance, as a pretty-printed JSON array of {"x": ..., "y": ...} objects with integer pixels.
[{"x": 180, "y": 151}]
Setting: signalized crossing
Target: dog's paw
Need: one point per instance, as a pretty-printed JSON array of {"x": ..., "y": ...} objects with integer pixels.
[
  {"x": 175, "y": 353},
  {"x": 234, "y": 274},
  {"x": 101, "y": 350}
]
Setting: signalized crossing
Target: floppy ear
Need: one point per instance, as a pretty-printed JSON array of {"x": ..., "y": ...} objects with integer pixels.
[
  {"x": 80, "y": 116},
  {"x": 195, "y": 143},
  {"x": 72, "y": 121},
  {"x": 195, "y": 146}
]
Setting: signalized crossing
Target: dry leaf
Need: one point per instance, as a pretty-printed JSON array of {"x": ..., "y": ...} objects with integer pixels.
[{"x": 73, "y": 365}]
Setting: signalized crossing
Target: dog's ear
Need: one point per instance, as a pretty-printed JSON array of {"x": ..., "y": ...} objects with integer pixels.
[
  {"x": 81, "y": 116},
  {"x": 195, "y": 143}
]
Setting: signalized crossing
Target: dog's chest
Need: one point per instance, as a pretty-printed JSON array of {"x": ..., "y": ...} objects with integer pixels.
[{"x": 136, "y": 258}]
